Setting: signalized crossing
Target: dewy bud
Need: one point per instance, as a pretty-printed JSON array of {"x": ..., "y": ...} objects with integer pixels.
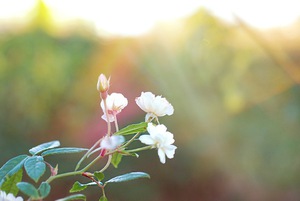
[{"x": 103, "y": 83}]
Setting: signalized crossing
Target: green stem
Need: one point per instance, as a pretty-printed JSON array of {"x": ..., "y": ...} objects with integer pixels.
[
  {"x": 140, "y": 149},
  {"x": 116, "y": 122},
  {"x": 87, "y": 153},
  {"x": 131, "y": 140},
  {"x": 107, "y": 163},
  {"x": 91, "y": 163},
  {"x": 107, "y": 117},
  {"x": 51, "y": 178},
  {"x": 63, "y": 175}
]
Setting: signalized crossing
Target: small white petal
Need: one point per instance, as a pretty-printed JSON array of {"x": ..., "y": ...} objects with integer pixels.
[
  {"x": 162, "y": 156},
  {"x": 161, "y": 128},
  {"x": 147, "y": 139},
  {"x": 169, "y": 138},
  {"x": 110, "y": 116},
  {"x": 151, "y": 128},
  {"x": 170, "y": 151}
]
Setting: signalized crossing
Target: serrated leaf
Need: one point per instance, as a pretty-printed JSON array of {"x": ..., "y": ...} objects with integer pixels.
[
  {"x": 35, "y": 167},
  {"x": 116, "y": 159},
  {"x": 28, "y": 189},
  {"x": 103, "y": 198},
  {"x": 44, "y": 189},
  {"x": 133, "y": 128},
  {"x": 66, "y": 150},
  {"x": 10, "y": 185},
  {"x": 73, "y": 197},
  {"x": 42, "y": 147},
  {"x": 11, "y": 167},
  {"x": 99, "y": 175},
  {"x": 128, "y": 177},
  {"x": 77, "y": 187}
]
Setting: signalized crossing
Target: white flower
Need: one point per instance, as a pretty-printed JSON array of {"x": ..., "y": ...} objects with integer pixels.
[
  {"x": 9, "y": 197},
  {"x": 161, "y": 139},
  {"x": 112, "y": 142},
  {"x": 115, "y": 102},
  {"x": 155, "y": 106}
]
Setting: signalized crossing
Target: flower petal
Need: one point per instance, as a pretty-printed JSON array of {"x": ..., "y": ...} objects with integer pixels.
[
  {"x": 147, "y": 139},
  {"x": 162, "y": 156},
  {"x": 170, "y": 151}
]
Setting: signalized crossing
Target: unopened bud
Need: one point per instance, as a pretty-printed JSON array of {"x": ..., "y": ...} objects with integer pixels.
[
  {"x": 103, "y": 83},
  {"x": 103, "y": 152}
]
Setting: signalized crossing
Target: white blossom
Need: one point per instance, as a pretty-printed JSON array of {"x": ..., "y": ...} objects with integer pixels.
[
  {"x": 111, "y": 142},
  {"x": 115, "y": 102},
  {"x": 9, "y": 197},
  {"x": 155, "y": 106},
  {"x": 161, "y": 139}
]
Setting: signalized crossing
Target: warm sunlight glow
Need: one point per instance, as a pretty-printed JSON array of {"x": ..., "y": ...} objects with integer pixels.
[{"x": 134, "y": 17}]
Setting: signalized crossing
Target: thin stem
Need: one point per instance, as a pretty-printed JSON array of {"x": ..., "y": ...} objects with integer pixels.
[
  {"x": 97, "y": 182},
  {"x": 103, "y": 192},
  {"x": 116, "y": 122},
  {"x": 91, "y": 163},
  {"x": 63, "y": 175},
  {"x": 107, "y": 118},
  {"x": 131, "y": 140},
  {"x": 75, "y": 172},
  {"x": 107, "y": 163},
  {"x": 140, "y": 149},
  {"x": 87, "y": 153}
]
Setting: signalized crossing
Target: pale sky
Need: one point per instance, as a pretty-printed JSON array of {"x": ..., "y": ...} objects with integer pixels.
[{"x": 134, "y": 17}]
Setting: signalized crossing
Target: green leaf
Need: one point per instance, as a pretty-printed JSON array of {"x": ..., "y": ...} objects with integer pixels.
[
  {"x": 42, "y": 147},
  {"x": 10, "y": 185},
  {"x": 66, "y": 150},
  {"x": 133, "y": 128},
  {"x": 77, "y": 187},
  {"x": 11, "y": 167},
  {"x": 128, "y": 177},
  {"x": 99, "y": 175},
  {"x": 116, "y": 159},
  {"x": 103, "y": 198},
  {"x": 35, "y": 167},
  {"x": 44, "y": 189},
  {"x": 73, "y": 197},
  {"x": 28, "y": 189}
]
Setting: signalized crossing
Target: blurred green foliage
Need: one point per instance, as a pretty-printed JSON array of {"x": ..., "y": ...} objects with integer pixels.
[
  {"x": 38, "y": 72},
  {"x": 237, "y": 111}
]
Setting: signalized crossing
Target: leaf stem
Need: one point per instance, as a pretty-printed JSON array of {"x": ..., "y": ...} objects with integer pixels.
[
  {"x": 107, "y": 117},
  {"x": 107, "y": 163},
  {"x": 140, "y": 149},
  {"x": 50, "y": 179},
  {"x": 131, "y": 140},
  {"x": 87, "y": 153},
  {"x": 116, "y": 122}
]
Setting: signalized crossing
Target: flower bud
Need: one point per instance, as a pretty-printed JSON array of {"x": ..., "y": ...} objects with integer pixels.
[{"x": 103, "y": 83}]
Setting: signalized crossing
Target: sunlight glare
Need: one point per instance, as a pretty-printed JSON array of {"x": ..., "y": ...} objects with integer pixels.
[{"x": 135, "y": 17}]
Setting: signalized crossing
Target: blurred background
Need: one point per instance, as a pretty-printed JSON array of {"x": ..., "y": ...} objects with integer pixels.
[{"x": 231, "y": 71}]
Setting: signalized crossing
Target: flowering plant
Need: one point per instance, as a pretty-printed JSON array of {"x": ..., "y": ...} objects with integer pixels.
[{"x": 112, "y": 147}]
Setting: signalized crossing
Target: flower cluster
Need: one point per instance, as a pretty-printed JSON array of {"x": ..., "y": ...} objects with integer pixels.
[
  {"x": 154, "y": 106},
  {"x": 111, "y": 147}
]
